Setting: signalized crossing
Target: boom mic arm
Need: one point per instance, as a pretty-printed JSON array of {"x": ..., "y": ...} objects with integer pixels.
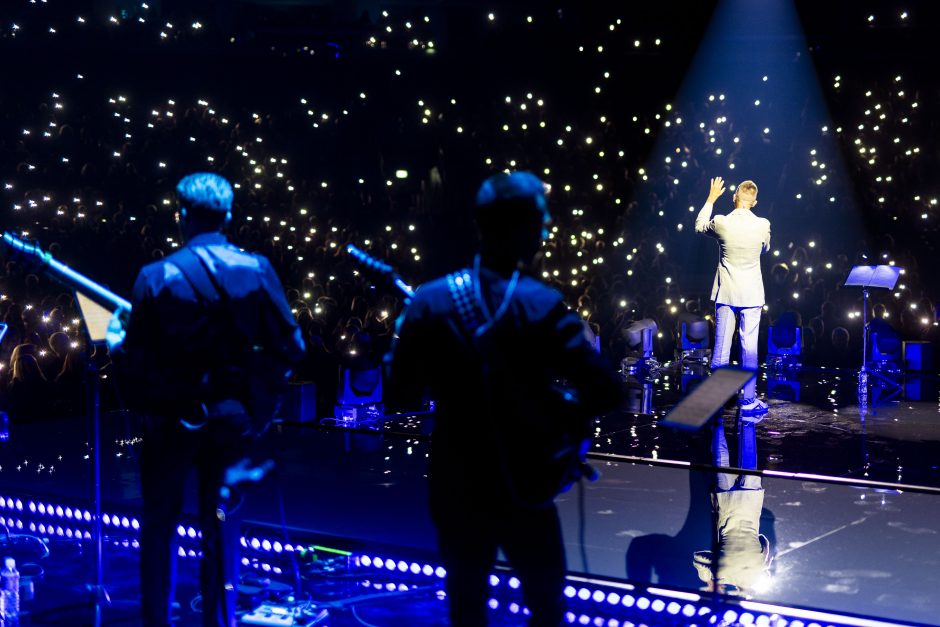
[{"x": 380, "y": 267}]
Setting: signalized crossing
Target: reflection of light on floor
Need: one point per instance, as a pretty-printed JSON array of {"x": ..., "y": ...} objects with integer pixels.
[{"x": 763, "y": 584}]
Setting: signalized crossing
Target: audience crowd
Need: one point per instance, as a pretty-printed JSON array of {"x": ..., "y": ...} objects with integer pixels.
[{"x": 380, "y": 138}]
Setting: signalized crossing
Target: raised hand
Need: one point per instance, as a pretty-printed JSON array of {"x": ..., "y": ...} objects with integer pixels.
[{"x": 717, "y": 189}]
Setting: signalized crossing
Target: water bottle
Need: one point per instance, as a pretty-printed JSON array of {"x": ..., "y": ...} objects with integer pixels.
[
  {"x": 862, "y": 387},
  {"x": 11, "y": 590}
]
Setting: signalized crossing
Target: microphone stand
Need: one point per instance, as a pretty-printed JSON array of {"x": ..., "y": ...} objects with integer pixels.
[{"x": 98, "y": 591}]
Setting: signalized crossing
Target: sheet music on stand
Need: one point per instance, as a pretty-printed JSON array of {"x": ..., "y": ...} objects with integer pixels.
[
  {"x": 873, "y": 276},
  {"x": 708, "y": 398},
  {"x": 97, "y": 317}
]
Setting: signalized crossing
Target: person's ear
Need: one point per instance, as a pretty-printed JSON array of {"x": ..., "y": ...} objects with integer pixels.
[{"x": 228, "y": 217}]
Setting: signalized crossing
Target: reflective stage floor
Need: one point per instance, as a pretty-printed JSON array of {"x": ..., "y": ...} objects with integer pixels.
[{"x": 854, "y": 533}]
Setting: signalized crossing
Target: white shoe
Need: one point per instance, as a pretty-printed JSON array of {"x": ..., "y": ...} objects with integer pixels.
[{"x": 752, "y": 409}]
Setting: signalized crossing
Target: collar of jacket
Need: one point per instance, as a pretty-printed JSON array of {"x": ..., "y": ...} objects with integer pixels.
[{"x": 207, "y": 239}]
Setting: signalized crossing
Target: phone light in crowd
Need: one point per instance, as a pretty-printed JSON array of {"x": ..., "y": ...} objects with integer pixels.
[{"x": 401, "y": 174}]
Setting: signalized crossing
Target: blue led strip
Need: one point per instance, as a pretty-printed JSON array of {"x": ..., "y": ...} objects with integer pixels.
[{"x": 605, "y": 596}]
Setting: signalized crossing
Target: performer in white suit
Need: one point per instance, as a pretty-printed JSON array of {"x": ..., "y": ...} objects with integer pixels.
[{"x": 738, "y": 290}]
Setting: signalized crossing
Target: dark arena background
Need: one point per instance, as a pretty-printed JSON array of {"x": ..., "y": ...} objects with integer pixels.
[{"x": 373, "y": 123}]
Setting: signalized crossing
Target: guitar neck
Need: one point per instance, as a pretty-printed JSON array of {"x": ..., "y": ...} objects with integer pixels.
[{"x": 65, "y": 274}]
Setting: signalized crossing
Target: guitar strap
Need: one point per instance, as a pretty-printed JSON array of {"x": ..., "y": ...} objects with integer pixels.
[
  {"x": 460, "y": 286},
  {"x": 194, "y": 269}
]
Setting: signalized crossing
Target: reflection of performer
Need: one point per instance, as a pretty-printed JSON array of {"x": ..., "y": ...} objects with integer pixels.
[
  {"x": 491, "y": 382},
  {"x": 738, "y": 290},
  {"x": 186, "y": 349},
  {"x": 744, "y": 554}
]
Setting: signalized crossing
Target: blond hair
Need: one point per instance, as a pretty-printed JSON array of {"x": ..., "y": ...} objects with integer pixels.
[{"x": 746, "y": 189}]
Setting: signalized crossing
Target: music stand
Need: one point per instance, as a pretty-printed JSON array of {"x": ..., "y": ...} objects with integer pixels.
[
  {"x": 708, "y": 398},
  {"x": 867, "y": 277},
  {"x": 96, "y": 303},
  {"x": 96, "y": 317}
]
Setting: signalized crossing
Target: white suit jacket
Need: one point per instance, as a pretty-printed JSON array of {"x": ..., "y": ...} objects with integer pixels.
[{"x": 742, "y": 237}]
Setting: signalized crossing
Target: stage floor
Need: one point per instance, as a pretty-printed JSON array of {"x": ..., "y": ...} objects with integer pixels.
[
  {"x": 840, "y": 544},
  {"x": 815, "y": 424}
]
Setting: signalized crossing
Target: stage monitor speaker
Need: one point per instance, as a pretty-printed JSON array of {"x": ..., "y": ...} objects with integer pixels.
[{"x": 300, "y": 402}]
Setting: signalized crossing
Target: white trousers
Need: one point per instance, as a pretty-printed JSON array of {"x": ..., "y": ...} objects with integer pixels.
[{"x": 748, "y": 319}]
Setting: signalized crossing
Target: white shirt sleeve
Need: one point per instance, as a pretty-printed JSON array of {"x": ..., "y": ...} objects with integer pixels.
[{"x": 703, "y": 221}]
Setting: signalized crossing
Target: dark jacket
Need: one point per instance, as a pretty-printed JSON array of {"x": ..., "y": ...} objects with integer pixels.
[
  {"x": 175, "y": 337},
  {"x": 488, "y": 395}
]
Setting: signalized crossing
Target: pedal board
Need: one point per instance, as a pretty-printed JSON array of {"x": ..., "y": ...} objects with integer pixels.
[{"x": 270, "y": 615}]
